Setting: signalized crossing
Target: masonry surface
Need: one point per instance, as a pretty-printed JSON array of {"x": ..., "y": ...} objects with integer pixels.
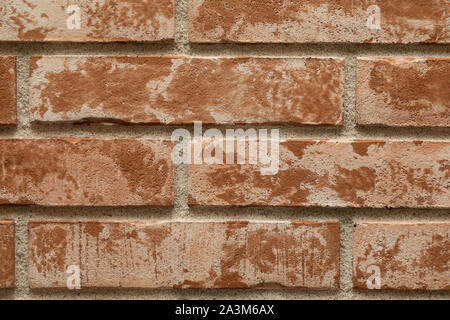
[{"x": 87, "y": 179}]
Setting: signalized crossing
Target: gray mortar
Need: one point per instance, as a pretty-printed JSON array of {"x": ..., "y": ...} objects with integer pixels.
[{"x": 181, "y": 211}]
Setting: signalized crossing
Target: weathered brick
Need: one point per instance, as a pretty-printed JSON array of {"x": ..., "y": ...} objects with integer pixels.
[
  {"x": 8, "y": 113},
  {"x": 185, "y": 254},
  {"x": 409, "y": 255},
  {"x": 290, "y": 21},
  {"x": 86, "y": 172},
  {"x": 176, "y": 90},
  {"x": 102, "y": 21},
  {"x": 403, "y": 91},
  {"x": 7, "y": 268},
  {"x": 331, "y": 174}
]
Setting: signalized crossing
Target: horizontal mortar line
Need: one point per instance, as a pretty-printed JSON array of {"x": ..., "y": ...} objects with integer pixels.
[
  {"x": 119, "y": 219},
  {"x": 283, "y": 129},
  {"x": 223, "y": 294},
  {"x": 221, "y": 49},
  {"x": 181, "y": 293},
  {"x": 256, "y": 45},
  {"x": 229, "y": 213},
  {"x": 210, "y": 54},
  {"x": 357, "y": 129},
  {"x": 321, "y": 54},
  {"x": 157, "y": 135}
]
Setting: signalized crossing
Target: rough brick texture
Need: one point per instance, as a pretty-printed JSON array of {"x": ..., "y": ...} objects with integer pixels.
[
  {"x": 403, "y": 91},
  {"x": 176, "y": 90},
  {"x": 112, "y": 20},
  {"x": 7, "y": 268},
  {"x": 86, "y": 172},
  {"x": 409, "y": 255},
  {"x": 185, "y": 254},
  {"x": 8, "y": 113},
  {"x": 332, "y": 173},
  {"x": 401, "y": 21}
]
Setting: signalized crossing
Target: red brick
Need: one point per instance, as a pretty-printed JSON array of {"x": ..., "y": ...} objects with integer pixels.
[
  {"x": 177, "y": 90},
  {"x": 8, "y": 113},
  {"x": 102, "y": 21},
  {"x": 185, "y": 254},
  {"x": 291, "y": 21},
  {"x": 7, "y": 268},
  {"x": 332, "y": 174},
  {"x": 86, "y": 172},
  {"x": 409, "y": 255},
  {"x": 403, "y": 91}
]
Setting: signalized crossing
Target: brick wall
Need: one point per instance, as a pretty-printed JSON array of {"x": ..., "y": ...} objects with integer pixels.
[{"x": 359, "y": 206}]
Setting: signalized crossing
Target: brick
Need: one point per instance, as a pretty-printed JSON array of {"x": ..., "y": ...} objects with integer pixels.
[
  {"x": 403, "y": 91},
  {"x": 231, "y": 254},
  {"x": 8, "y": 113},
  {"x": 86, "y": 172},
  {"x": 409, "y": 255},
  {"x": 99, "y": 21},
  {"x": 293, "y": 21},
  {"x": 7, "y": 254},
  {"x": 320, "y": 173},
  {"x": 180, "y": 90}
]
